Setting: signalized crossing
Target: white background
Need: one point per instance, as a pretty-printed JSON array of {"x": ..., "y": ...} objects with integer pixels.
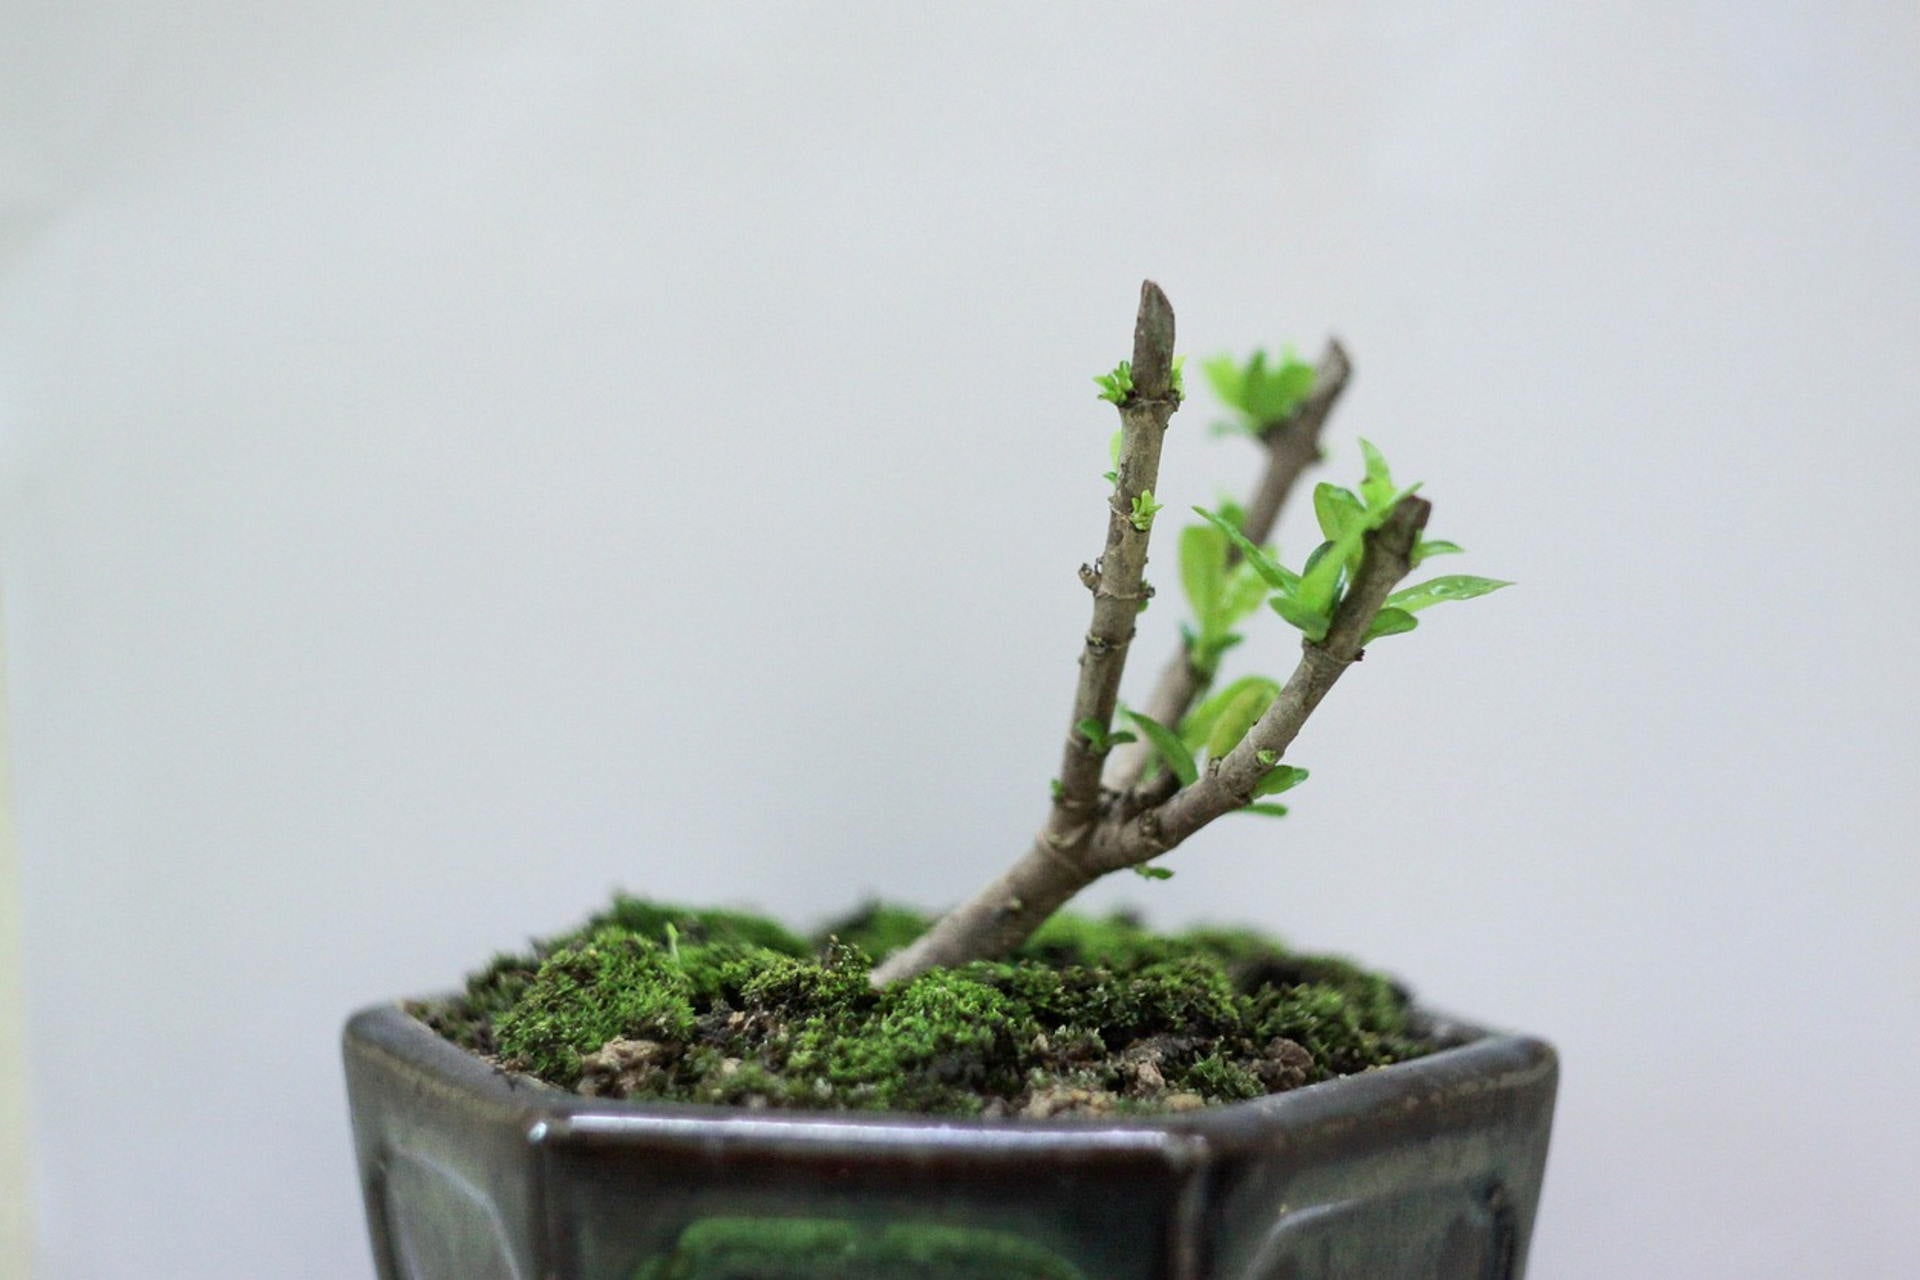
[{"x": 462, "y": 456}]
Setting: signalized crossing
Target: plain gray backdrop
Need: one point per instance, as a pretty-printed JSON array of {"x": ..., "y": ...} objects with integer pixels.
[{"x": 460, "y": 457}]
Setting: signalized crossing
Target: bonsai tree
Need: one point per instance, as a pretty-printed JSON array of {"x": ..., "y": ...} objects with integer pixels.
[
  {"x": 985, "y": 1011},
  {"x": 1130, "y": 791},
  {"x": 1008, "y": 1007}
]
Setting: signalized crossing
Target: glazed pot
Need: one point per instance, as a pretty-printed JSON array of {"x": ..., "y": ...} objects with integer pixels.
[{"x": 1429, "y": 1169}]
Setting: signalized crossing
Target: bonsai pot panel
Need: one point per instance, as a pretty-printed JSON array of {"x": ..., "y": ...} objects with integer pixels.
[{"x": 1426, "y": 1169}]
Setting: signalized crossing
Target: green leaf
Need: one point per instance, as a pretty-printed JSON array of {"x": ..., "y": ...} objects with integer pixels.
[
  {"x": 1195, "y": 729},
  {"x": 1115, "y": 387},
  {"x": 1223, "y": 375},
  {"x": 1115, "y": 739},
  {"x": 1276, "y": 575},
  {"x": 1251, "y": 698},
  {"x": 1268, "y": 758},
  {"x": 1053, "y": 786},
  {"x": 1311, "y": 622},
  {"x": 1336, "y": 509},
  {"x": 1434, "y": 547},
  {"x": 1244, "y": 592},
  {"x": 1271, "y": 810},
  {"x": 1454, "y": 586},
  {"x": 1203, "y": 575},
  {"x": 1147, "y": 872},
  {"x": 1320, "y": 580},
  {"x": 1284, "y": 777},
  {"x": 1261, "y": 390},
  {"x": 1179, "y": 379},
  {"x": 1144, "y": 509},
  {"x": 1389, "y": 622},
  {"x": 1377, "y": 487},
  {"x": 1167, "y": 745},
  {"x": 1095, "y": 734},
  {"x": 1320, "y": 576}
]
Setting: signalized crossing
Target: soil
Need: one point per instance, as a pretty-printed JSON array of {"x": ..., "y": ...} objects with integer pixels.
[{"x": 1092, "y": 1017}]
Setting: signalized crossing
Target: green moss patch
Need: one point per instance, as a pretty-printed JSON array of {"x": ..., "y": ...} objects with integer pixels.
[
  {"x": 1092, "y": 1016},
  {"x": 829, "y": 1249}
]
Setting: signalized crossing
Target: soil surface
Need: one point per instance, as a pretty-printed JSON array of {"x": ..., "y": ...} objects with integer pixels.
[{"x": 1093, "y": 1016}]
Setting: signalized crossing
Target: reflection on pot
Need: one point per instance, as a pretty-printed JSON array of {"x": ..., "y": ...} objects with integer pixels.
[{"x": 744, "y": 1248}]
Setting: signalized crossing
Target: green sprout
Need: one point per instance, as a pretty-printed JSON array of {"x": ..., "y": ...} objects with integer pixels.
[
  {"x": 1116, "y": 387},
  {"x": 1307, "y": 599},
  {"x": 1144, "y": 508},
  {"x": 1259, "y": 391}
]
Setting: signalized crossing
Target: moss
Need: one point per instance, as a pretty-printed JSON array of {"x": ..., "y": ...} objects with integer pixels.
[
  {"x": 609, "y": 986},
  {"x": 944, "y": 1042},
  {"x": 1332, "y": 1026},
  {"x": 741, "y": 1248},
  {"x": 833, "y": 986},
  {"x": 1095, "y": 1015},
  {"x": 696, "y": 926},
  {"x": 1219, "y": 1076},
  {"x": 879, "y": 928},
  {"x": 1190, "y": 997},
  {"x": 1117, "y": 941}
]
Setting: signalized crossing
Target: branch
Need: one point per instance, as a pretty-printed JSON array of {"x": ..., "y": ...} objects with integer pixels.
[
  {"x": 1293, "y": 445},
  {"x": 1229, "y": 783},
  {"x": 1000, "y": 917},
  {"x": 1020, "y": 900},
  {"x": 1117, "y": 579}
]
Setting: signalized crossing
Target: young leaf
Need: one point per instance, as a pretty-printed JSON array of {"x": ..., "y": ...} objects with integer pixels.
[
  {"x": 1144, "y": 509},
  {"x": 1179, "y": 377},
  {"x": 1271, "y": 810},
  {"x": 1268, "y": 758},
  {"x": 1336, "y": 508},
  {"x": 1115, "y": 387},
  {"x": 1201, "y": 722},
  {"x": 1389, "y": 622},
  {"x": 1377, "y": 487},
  {"x": 1095, "y": 734},
  {"x": 1284, "y": 777},
  {"x": 1434, "y": 547},
  {"x": 1276, "y": 575},
  {"x": 1312, "y": 623},
  {"x": 1252, "y": 696},
  {"x": 1167, "y": 745},
  {"x": 1320, "y": 580},
  {"x": 1223, "y": 375},
  {"x": 1453, "y": 586},
  {"x": 1147, "y": 872},
  {"x": 1203, "y": 570},
  {"x": 1262, "y": 393},
  {"x": 1244, "y": 592}
]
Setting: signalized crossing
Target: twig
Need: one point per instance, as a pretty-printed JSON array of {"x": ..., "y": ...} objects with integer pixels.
[
  {"x": 1118, "y": 578},
  {"x": 1021, "y": 899},
  {"x": 1293, "y": 445},
  {"x": 1229, "y": 783},
  {"x": 996, "y": 920}
]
